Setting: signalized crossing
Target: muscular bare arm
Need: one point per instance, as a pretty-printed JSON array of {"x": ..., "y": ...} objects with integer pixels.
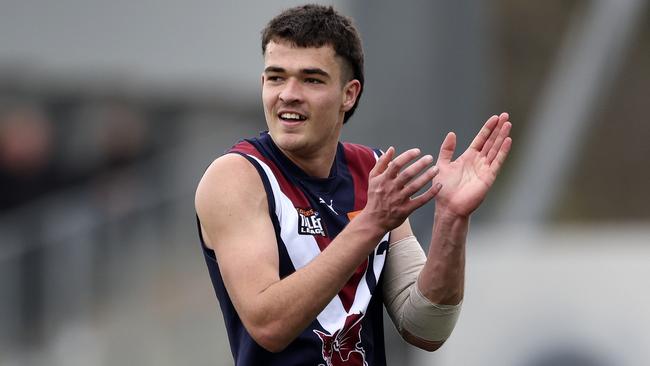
[{"x": 232, "y": 206}]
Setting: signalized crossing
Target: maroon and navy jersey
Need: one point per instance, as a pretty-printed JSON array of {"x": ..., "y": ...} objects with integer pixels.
[{"x": 307, "y": 214}]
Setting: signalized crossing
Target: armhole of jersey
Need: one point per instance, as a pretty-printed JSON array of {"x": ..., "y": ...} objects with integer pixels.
[
  {"x": 270, "y": 198},
  {"x": 283, "y": 256},
  {"x": 198, "y": 224}
]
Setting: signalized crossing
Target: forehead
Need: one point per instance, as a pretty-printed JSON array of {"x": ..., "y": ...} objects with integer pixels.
[{"x": 291, "y": 57}]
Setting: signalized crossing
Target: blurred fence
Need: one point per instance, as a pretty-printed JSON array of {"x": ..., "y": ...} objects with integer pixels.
[{"x": 106, "y": 268}]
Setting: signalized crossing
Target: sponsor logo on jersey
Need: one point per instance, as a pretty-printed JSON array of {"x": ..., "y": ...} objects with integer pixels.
[
  {"x": 344, "y": 348},
  {"x": 309, "y": 222},
  {"x": 330, "y": 206}
]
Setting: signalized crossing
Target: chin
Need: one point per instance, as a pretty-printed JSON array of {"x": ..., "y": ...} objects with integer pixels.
[{"x": 288, "y": 142}]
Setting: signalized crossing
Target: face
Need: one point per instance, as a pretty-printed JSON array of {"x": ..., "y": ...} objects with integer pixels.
[{"x": 305, "y": 97}]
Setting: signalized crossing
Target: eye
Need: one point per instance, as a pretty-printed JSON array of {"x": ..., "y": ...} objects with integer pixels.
[
  {"x": 274, "y": 78},
  {"x": 313, "y": 81}
]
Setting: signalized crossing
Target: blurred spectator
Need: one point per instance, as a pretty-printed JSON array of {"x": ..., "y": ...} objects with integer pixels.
[
  {"x": 26, "y": 165},
  {"x": 121, "y": 139},
  {"x": 123, "y": 136},
  {"x": 108, "y": 135},
  {"x": 26, "y": 173}
]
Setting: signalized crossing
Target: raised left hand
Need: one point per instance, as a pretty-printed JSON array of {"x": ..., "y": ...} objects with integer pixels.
[{"x": 466, "y": 180}]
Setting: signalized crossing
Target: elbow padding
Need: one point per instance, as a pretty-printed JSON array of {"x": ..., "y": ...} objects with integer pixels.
[
  {"x": 407, "y": 307},
  {"x": 426, "y": 320}
]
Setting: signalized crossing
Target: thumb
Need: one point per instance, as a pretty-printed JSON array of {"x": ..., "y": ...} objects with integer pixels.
[{"x": 447, "y": 148}]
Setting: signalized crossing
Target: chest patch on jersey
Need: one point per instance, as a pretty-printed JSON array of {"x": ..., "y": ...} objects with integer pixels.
[{"x": 310, "y": 222}]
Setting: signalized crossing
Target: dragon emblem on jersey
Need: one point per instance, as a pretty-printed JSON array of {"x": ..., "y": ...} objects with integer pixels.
[
  {"x": 309, "y": 222},
  {"x": 344, "y": 346}
]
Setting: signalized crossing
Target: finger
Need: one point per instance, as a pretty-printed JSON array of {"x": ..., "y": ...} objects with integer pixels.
[
  {"x": 425, "y": 197},
  {"x": 420, "y": 181},
  {"x": 505, "y": 131},
  {"x": 382, "y": 162},
  {"x": 447, "y": 148},
  {"x": 493, "y": 134},
  {"x": 484, "y": 133},
  {"x": 400, "y": 161},
  {"x": 501, "y": 156},
  {"x": 414, "y": 169}
]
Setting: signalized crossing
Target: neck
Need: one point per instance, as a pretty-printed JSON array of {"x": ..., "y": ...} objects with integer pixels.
[{"x": 317, "y": 164}]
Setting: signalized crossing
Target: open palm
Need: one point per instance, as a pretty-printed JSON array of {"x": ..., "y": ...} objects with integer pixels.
[{"x": 466, "y": 180}]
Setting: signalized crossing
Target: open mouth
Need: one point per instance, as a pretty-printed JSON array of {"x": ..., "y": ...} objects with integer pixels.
[{"x": 291, "y": 117}]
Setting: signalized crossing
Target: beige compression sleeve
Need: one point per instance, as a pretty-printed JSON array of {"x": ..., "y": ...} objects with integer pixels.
[{"x": 407, "y": 307}]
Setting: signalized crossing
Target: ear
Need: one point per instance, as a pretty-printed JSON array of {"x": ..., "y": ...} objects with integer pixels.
[{"x": 350, "y": 93}]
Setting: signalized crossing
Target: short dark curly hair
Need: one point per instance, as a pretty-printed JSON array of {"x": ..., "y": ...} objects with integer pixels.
[{"x": 316, "y": 26}]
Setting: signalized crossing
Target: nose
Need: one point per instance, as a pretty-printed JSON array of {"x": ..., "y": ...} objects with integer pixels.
[{"x": 291, "y": 91}]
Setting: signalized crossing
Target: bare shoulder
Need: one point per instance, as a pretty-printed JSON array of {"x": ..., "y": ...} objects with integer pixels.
[
  {"x": 227, "y": 178},
  {"x": 229, "y": 187}
]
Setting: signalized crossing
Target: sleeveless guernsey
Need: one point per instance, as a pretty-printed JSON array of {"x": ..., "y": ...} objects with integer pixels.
[{"x": 307, "y": 213}]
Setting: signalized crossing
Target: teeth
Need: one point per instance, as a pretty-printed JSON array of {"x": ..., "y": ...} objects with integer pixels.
[{"x": 295, "y": 116}]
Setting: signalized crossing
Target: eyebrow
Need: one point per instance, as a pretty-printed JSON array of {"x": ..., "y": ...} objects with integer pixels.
[
  {"x": 315, "y": 71},
  {"x": 308, "y": 71},
  {"x": 273, "y": 69}
]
